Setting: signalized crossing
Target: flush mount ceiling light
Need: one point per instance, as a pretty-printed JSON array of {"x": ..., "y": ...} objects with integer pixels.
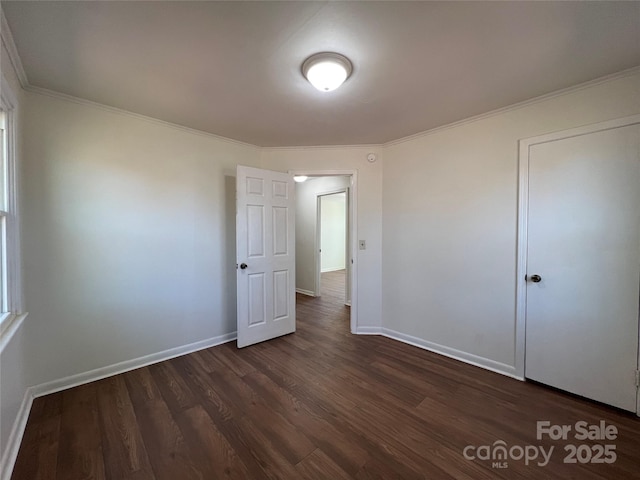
[
  {"x": 300, "y": 178},
  {"x": 326, "y": 71}
]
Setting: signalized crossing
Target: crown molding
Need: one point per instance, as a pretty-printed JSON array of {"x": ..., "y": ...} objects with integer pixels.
[
  {"x": 325, "y": 147},
  {"x": 9, "y": 44},
  {"x": 542, "y": 98},
  {"x": 128, "y": 113},
  {"x": 532, "y": 101},
  {"x": 120, "y": 111}
]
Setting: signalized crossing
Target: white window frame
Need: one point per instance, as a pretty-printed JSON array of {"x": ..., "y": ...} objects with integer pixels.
[{"x": 12, "y": 313}]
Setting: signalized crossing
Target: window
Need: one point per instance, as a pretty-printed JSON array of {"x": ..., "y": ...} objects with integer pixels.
[
  {"x": 10, "y": 282},
  {"x": 4, "y": 307}
]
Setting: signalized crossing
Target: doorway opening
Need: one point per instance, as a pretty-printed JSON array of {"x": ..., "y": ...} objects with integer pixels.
[
  {"x": 332, "y": 241},
  {"x": 325, "y": 233}
]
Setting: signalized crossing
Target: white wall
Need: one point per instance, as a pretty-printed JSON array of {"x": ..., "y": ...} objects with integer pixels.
[
  {"x": 449, "y": 218},
  {"x": 333, "y": 232},
  {"x": 15, "y": 358},
  {"x": 129, "y": 236},
  {"x": 306, "y": 223},
  {"x": 369, "y": 209}
]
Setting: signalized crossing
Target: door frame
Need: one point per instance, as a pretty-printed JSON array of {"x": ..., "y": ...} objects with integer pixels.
[
  {"x": 318, "y": 246},
  {"x": 523, "y": 209},
  {"x": 352, "y": 231}
]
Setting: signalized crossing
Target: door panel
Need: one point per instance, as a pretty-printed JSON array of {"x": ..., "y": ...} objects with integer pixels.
[
  {"x": 255, "y": 231},
  {"x": 584, "y": 241},
  {"x": 280, "y": 230},
  {"x": 265, "y": 248},
  {"x": 257, "y": 299},
  {"x": 280, "y": 289}
]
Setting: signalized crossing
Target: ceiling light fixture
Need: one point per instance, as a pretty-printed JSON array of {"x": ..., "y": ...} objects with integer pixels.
[
  {"x": 326, "y": 71},
  {"x": 300, "y": 178}
]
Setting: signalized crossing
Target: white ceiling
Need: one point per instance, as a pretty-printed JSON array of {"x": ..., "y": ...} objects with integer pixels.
[{"x": 233, "y": 68}]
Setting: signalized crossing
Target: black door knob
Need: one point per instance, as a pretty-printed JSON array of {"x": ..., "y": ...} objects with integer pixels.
[
  {"x": 243, "y": 266},
  {"x": 536, "y": 278}
]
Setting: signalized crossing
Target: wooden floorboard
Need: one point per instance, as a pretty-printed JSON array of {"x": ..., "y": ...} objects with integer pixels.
[{"x": 317, "y": 404}]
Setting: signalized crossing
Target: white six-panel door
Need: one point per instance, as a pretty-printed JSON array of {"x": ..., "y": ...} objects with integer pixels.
[
  {"x": 583, "y": 264},
  {"x": 265, "y": 246}
]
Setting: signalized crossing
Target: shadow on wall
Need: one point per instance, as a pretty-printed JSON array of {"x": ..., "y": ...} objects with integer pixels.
[{"x": 229, "y": 252}]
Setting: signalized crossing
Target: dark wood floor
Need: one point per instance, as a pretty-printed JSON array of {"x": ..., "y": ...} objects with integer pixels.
[
  {"x": 318, "y": 404},
  {"x": 332, "y": 287}
]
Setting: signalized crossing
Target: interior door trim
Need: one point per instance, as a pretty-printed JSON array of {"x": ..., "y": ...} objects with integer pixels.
[{"x": 523, "y": 209}]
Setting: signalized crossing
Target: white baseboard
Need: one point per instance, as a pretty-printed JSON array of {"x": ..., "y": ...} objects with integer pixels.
[
  {"x": 368, "y": 331},
  {"x": 128, "y": 365},
  {"x": 305, "y": 292},
  {"x": 10, "y": 453},
  {"x": 482, "y": 362},
  {"x": 332, "y": 269},
  {"x": 15, "y": 438}
]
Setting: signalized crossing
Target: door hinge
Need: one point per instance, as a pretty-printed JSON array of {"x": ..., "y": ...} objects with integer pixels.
[{"x": 637, "y": 378}]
